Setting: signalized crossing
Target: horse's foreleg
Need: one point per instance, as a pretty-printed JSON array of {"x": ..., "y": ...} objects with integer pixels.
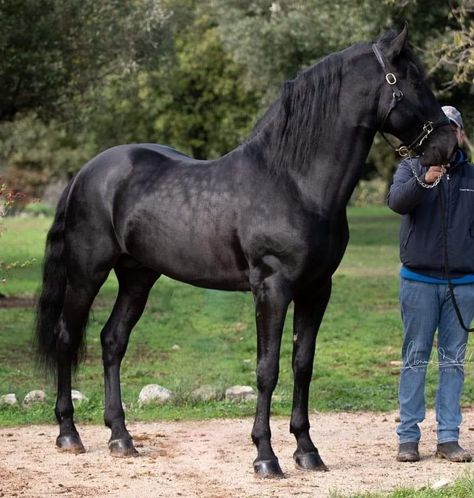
[
  {"x": 309, "y": 311},
  {"x": 271, "y": 300},
  {"x": 134, "y": 287}
]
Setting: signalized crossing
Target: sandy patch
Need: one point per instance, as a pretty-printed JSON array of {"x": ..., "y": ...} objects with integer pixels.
[{"x": 214, "y": 459}]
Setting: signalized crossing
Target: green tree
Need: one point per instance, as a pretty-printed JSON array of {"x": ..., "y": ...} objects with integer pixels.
[
  {"x": 195, "y": 101},
  {"x": 460, "y": 52},
  {"x": 273, "y": 39},
  {"x": 77, "y": 76},
  {"x": 191, "y": 97},
  {"x": 53, "y": 50}
]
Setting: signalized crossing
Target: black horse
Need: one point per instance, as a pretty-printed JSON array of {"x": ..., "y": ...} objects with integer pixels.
[{"x": 268, "y": 217}]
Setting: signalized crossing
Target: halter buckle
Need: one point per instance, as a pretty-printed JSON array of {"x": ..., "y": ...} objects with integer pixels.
[
  {"x": 403, "y": 151},
  {"x": 398, "y": 95},
  {"x": 391, "y": 78},
  {"x": 428, "y": 127}
]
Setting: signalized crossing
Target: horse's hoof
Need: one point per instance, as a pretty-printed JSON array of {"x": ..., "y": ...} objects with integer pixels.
[
  {"x": 122, "y": 448},
  {"x": 70, "y": 444},
  {"x": 268, "y": 469},
  {"x": 309, "y": 461}
]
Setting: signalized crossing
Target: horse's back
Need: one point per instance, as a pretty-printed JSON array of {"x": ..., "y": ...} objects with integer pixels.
[
  {"x": 136, "y": 155},
  {"x": 157, "y": 151},
  {"x": 131, "y": 166}
]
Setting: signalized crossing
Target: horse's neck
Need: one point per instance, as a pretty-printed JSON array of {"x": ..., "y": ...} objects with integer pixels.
[{"x": 335, "y": 171}]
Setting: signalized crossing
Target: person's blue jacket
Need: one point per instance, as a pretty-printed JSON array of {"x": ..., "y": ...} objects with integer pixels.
[{"x": 421, "y": 240}]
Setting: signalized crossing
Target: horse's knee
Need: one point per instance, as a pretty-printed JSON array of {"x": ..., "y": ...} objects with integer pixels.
[{"x": 267, "y": 376}]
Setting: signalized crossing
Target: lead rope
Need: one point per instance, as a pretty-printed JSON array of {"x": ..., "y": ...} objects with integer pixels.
[
  {"x": 445, "y": 239},
  {"x": 446, "y": 261},
  {"x": 418, "y": 179}
]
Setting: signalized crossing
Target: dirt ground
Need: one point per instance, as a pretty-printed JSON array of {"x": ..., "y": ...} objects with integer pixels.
[{"x": 213, "y": 459}]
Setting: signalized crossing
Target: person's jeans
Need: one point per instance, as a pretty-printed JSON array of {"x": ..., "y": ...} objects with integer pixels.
[{"x": 425, "y": 308}]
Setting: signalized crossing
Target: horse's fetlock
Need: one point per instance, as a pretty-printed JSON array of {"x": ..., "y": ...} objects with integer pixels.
[
  {"x": 299, "y": 422},
  {"x": 115, "y": 419},
  {"x": 299, "y": 427},
  {"x": 64, "y": 413},
  {"x": 260, "y": 434}
]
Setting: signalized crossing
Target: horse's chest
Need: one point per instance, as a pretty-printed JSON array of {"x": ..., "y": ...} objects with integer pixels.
[{"x": 328, "y": 243}]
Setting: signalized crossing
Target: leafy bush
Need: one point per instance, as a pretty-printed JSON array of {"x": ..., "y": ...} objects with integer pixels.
[
  {"x": 369, "y": 192},
  {"x": 39, "y": 209}
]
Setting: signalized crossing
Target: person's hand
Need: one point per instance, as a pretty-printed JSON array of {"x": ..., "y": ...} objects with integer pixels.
[{"x": 433, "y": 173}]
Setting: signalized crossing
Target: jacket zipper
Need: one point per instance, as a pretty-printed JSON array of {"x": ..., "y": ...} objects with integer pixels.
[{"x": 448, "y": 206}]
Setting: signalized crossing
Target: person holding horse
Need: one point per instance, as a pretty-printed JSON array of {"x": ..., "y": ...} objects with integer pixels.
[{"x": 428, "y": 236}]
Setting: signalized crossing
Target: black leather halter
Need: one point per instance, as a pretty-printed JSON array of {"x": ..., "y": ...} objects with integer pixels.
[{"x": 397, "y": 96}]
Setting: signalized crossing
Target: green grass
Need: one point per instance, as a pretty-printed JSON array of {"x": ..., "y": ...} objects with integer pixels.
[
  {"x": 462, "y": 487},
  {"x": 359, "y": 337}
]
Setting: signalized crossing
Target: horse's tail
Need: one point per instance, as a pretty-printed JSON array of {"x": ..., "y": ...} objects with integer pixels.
[{"x": 51, "y": 300}]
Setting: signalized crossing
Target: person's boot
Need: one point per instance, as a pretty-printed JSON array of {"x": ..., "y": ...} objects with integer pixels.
[
  {"x": 453, "y": 452},
  {"x": 408, "y": 452}
]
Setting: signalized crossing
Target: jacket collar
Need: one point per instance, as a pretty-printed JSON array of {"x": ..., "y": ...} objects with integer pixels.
[{"x": 460, "y": 158}]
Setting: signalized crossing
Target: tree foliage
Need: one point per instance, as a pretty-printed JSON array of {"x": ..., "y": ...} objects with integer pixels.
[
  {"x": 77, "y": 76},
  {"x": 274, "y": 40},
  {"x": 53, "y": 50},
  {"x": 195, "y": 101},
  {"x": 458, "y": 49}
]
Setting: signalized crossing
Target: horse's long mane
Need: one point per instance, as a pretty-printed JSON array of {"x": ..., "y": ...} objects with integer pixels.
[
  {"x": 308, "y": 105},
  {"x": 293, "y": 125}
]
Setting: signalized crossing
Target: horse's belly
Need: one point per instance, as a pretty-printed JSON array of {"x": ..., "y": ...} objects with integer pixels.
[
  {"x": 203, "y": 271},
  {"x": 205, "y": 261}
]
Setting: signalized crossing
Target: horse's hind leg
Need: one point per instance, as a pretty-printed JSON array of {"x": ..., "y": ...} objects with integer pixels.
[
  {"x": 309, "y": 311},
  {"x": 79, "y": 296},
  {"x": 134, "y": 287}
]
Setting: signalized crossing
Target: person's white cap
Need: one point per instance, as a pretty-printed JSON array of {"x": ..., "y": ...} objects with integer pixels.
[{"x": 453, "y": 115}]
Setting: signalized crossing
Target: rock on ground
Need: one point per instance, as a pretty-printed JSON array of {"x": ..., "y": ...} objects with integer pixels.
[
  {"x": 240, "y": 393},
  {"x": 206, "y": 393},
  {"x": 78, "y": 396},
  {"x": 441, "y": 483},
  {"x": 154, "y": 393},
  {"x": 8, "y": 399},
  {"x": 36, "y": 396}
]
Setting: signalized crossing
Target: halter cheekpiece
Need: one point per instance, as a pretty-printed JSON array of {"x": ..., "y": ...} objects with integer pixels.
[{"x": 397, "y": 96}]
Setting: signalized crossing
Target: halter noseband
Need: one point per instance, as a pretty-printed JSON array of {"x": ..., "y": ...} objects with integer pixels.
[{"x": 397, "y": 96}]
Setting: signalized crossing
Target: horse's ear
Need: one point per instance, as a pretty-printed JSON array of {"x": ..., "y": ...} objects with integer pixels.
[{"x": 397, "y": 44}]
